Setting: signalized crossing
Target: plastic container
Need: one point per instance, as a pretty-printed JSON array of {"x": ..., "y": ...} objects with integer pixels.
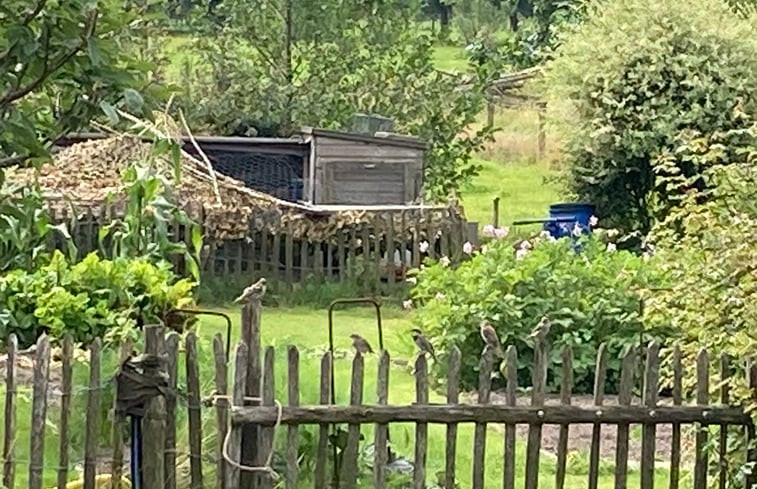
[{"x": 564, "y": 217}]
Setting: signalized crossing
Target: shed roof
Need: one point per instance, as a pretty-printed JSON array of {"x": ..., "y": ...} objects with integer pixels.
[{"x": 383, "y": 138}]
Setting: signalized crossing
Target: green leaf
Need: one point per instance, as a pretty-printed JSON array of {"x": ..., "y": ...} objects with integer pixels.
[
  {"x": 110, "y": 112},
  {"x": 133, "y": 99},
  {"x": 94, "y": 51}
]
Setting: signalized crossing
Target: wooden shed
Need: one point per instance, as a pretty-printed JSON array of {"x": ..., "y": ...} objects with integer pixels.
[{"x": 356, "y": 169}]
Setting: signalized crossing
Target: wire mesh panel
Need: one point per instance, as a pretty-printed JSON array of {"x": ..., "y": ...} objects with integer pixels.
[{"x": 279, "y": 175}]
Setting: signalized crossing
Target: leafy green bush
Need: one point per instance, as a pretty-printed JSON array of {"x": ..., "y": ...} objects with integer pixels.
[
  {"x": 630, "y": 78},
  {"x": 93, "y": 298},
  {"x": 589, "y": 296}
]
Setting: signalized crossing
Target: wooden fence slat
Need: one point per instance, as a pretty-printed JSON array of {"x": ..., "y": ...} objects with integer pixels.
[
  {"x": 381, "y": 453},
  {"x": 321, "y": 460},
  {"x": 649, "y": 430},
  {"x": 421, "y": 429},
  {"x": 365, "y": 239},
  {"x": 304, "y": 262},
  {"x": 222, "y": 419},
  {"x": 599, "y": 395},
  {"x": 119, "y": 423},
  {"x": 725, "y": 374},
  {"x": 293, "y": 378},
  {"x": 266, "y": 434},
  {"x": 276, "y": 266},
  {"x": 390, "y": 247},
  {"x": 265, "y": 258},
  {"x": 9, "y": 420},
  {"x": 153, "y": 438},
  {"x": 342, "y": 255},
  {"x": 416, "y": 246},
  {"x": 193, "y": 412},
  {"x": 453, "y": 397},
  {"x": 703, "y": 390},
  {"x": 65, "y": 410},
  {"x": 93, "y": 416},
  {"x": 39, "y": 412},
  {"x": 349, "y": 466},
  {"x": 378, "y": 230},
  {"x": 234, "y": 445},
  {"x": 172, "y": 366},
  {"x": 329, "y": 260},
  {"x": 533, "y": 447},
  {"x": 289, "y": 255},
  {"x": 352, "y": 253},
  {"x": 479, "y": 440},
  {"x": 625, "y": 394},
  {"x": 403, "y": 243},
  {"x": 566, "y": 389},
  {"x": 675, "y": 444},
  {"x": 511, "y": 371}
]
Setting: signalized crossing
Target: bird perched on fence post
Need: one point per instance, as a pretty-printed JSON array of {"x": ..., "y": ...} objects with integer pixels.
[
  {"x": 360, "y": 344},
  {"x": 491, "y": 339},
  {"x": 422, "y": 342},
  {"x": 540, "y": 332},
  {"x": 254, "y": 292}
]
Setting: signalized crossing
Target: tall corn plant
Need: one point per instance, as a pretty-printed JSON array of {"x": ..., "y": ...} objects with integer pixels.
[{"x": 150, "y": 218}]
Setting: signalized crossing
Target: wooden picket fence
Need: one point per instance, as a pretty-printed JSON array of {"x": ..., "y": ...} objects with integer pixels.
[
  {"x": 368, "y": 249},
  {"x": 249, "y": 418}
]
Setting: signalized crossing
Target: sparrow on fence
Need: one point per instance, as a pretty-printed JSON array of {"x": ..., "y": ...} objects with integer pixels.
[
  {"x": 540, "y": 332},
  {"x": 254, "y": 292},
  {"x": 422, "y": 342},
  {"x": 490, "y": 339},
  {"x": 360, "y": 344}
]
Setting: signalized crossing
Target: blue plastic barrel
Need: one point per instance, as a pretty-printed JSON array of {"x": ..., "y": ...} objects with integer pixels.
[{"x": 564, "y": 217}]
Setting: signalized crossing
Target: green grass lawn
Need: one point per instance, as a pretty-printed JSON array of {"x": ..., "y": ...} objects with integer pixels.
[
  {"x": 308, "y": 330},
  {"x": 521, "y": 187}
]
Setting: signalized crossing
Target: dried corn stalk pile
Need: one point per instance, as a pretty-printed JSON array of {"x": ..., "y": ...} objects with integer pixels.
[{"x": 86, "y": 174}]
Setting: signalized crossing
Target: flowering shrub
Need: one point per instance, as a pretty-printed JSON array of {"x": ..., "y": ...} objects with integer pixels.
[{"x": 589, "y": 296}]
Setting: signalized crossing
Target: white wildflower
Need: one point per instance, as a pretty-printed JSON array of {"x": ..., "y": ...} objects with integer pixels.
[
  {"x": 577, "y": 231},
  {"x": 440, "y": 296},
  {"x": 484, "y": 249},
  {"x": 444, "y": 261},
  {"x": 488, "y": 231},
  {"x": 525, "y": 245},
  {"x": 611, "y": 248},
  {"x": 468, "y": 248},
  {"x": 593, "y": 221},
  {"x": 407, "y": 305},
  {"x": 411, "y": 280},
  {"x": 521, "y": 253},
  {"x": 501, "y": 233},
  {"x": 18, "y": 67},
  {"x": 423, "y": 246}
]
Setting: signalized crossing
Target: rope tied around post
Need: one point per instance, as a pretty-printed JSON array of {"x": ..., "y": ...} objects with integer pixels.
[{"x": 212, "y": 400}]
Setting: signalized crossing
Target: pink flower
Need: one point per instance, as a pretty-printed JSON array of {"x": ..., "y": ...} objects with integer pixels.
[
  {"x": 488, "y": 231},
  {"x": 423, "y": 246},
  {"x": 468, "y": 248},
  {"x": 444, "y": 261},
  {"x": 501, "y": 233},
  {"x": 407, "y": 305}
]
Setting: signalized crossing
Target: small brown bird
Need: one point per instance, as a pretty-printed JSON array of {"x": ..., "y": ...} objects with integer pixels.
[
  {"x": 255, "y": 291},
  {"x": 422, "y": 342},
  {"x": 540, "y": 332},
  {"x": 490, "y": 339},
  {"x": 360, "y": 344}
]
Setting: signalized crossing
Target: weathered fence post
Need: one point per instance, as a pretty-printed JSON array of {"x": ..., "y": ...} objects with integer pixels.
[
  {"x": 65, "y": 410},
  {"x": 251, "y": 339},
  {"x": 233, "y": 448},
  {"x": 222, "y": 405},
  {"x": 453, "y": 397},
  {"x": 566, "y": 389},
  {"x": 154, "y": 432},
  {"x": 541, "y": 357},
  {"x": 479, "y": 442},
  {"x": 649, "y": 430},
  {"x": 39, "y": 412},
  {"x": 93, "y": 416},
  {"x": 9, "y": 430}
]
